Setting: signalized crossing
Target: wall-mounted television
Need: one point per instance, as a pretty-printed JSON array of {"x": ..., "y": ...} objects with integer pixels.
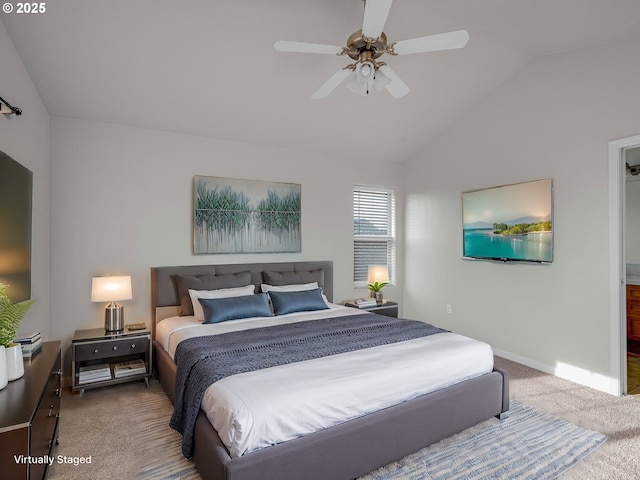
[
  {"x": 15, "y": 228},
  {"x": 509, "y": 222}
]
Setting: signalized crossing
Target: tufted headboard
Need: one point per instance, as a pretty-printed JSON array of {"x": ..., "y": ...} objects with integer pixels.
[{"x": 165, "y": 300}]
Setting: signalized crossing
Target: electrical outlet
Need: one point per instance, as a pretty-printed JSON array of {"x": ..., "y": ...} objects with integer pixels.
[{"x": 449, "y": 311}]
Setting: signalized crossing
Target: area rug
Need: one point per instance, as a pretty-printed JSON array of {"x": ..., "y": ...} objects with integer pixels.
[
  {"x": 528, "y": 444},
  {"x": 137, "y": 443}
]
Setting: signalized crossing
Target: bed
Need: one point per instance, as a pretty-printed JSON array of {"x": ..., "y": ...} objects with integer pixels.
[{"x": 346, "y": 449}]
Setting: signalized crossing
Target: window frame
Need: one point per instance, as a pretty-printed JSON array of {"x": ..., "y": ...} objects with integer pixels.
[{"x": 389, "y": 237}]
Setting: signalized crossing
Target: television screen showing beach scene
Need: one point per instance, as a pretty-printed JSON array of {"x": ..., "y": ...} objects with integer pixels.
[{"x": 509, "y": 222}]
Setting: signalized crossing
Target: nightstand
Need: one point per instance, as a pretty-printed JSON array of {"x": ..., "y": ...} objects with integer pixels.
[
  {"x": 387, "y": 308},
  {"x": 100, "y": 351}
]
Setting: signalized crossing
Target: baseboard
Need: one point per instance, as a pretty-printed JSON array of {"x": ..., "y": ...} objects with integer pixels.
[{"x": 568, "y": 372}]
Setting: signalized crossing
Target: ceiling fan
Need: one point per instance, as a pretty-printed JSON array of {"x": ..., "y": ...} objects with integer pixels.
[{"x": 366, "y": 46}]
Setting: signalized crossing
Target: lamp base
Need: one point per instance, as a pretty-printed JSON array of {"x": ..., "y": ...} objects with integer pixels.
[{"x": 114, "y": 317}]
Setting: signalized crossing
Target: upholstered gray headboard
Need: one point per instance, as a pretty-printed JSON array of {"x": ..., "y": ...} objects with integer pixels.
[{"x": 165, "y": 300}]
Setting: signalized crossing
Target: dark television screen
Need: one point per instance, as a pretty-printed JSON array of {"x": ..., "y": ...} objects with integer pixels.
[
  {"x": 509, "y": 222},
  {"x": 15, "y": 228}
]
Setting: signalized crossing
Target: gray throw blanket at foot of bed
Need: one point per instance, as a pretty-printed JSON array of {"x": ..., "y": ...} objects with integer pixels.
[{"x": 201, "y": 361}]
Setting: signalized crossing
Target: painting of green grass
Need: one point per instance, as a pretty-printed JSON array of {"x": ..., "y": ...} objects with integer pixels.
[{"x": 245, "y": 216}]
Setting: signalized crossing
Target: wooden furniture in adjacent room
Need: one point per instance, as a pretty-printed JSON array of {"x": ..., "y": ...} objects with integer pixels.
[
  {"x": 29, "y": 413},
  {"x": 95, "y": 346},
  {"x": 633, "y": 319}
]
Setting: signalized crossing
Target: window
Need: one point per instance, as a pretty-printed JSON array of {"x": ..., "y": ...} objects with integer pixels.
[{"x": 374, "y": 231}]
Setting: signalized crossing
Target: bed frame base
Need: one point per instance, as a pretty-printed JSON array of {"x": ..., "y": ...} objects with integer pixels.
[{"x": 356, "y": 447}]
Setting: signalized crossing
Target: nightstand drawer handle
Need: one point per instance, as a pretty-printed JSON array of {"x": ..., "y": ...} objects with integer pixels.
[
  {"x": 95, "y": 351},
  {"x": 115, "y": 348},
  {"x": 133, "y": 345}
]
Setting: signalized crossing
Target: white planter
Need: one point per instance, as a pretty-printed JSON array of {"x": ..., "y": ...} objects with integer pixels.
[
  {"x": 15, "y": 363},
  {"x": 3, "y": 368}
]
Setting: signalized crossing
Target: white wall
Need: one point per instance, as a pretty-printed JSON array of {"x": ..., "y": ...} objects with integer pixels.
[
  {"x": 25, "y": 138},
  {"x": 121, "y": 202},
  {"x": 554, "y": 119}
]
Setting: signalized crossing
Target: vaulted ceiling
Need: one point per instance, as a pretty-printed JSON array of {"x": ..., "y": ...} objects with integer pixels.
[{"x": 207, "y": 67}]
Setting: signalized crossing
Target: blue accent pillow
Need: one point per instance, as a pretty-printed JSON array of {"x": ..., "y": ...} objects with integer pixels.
[
  {"x": 302, "y": 301},
  {"x": 218, "y": 310}
]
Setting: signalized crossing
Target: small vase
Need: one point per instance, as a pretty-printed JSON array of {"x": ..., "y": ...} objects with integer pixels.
[
  {"x": 15, "y": 362},
  {"x": 3, "y": 368},
  {"x": 378, "y": 296}
]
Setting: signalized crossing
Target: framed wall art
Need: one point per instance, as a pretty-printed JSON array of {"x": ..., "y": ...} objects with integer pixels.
[{"x": 245, "y": 216}]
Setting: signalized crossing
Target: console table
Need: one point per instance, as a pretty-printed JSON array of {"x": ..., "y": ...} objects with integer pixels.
[{"x": 29, "y": 414}]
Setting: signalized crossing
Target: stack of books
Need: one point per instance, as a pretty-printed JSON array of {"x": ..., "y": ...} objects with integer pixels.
[
  {"x": 94, "y": 373},
  {"x": 362, "y": 303},
  {"x": 31, "y": 343},
  {"x": 127, "y": 369}
]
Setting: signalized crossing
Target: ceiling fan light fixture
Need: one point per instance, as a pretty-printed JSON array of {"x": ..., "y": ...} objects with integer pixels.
[
  {"x": 363, "y": 78},
  {"x": 380, "y": 80},
  {"x": 367, "y": 76},
  {"x": 358, "y": 85},
  {"x": 365, "y": 70}
]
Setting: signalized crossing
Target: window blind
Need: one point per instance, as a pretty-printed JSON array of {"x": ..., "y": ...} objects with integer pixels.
[{"x": 373, "y": 231}]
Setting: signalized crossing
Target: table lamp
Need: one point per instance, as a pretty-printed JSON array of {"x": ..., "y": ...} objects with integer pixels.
[
  {"x": 111, "y": 289},
  {"x": 377, "y": 278}
]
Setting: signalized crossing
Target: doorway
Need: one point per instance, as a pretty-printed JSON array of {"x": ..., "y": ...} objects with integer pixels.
[
  {"x": 632, "y": 261},
  {"x": 617, "y": 261}
]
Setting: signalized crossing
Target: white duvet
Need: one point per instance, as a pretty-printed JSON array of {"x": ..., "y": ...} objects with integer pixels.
[{"x": 257, "y": 409}]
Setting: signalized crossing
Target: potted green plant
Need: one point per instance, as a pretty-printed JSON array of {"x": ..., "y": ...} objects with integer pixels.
[
  {"x": 375, "y": 289},
  {"x": 10, "y": 353}
]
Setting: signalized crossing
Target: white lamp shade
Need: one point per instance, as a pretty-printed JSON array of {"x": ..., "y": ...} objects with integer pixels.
[
  {"x": 110, "y": 289},
  {"x": 378, "y": 273}
]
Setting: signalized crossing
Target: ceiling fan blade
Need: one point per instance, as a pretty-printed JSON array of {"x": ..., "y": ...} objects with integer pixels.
[
  {"x": 375, "y": 16},
  {"x": 330, "y": 85},
  {"x": 303, "y": 47},
  {"x": 396, "y": 87},
  {"x": 432, "y": 43}
]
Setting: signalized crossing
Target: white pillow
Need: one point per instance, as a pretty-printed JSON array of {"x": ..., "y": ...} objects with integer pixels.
[
  {"x": 299, "y": 287},
  {"x": 220, "y": 293}
]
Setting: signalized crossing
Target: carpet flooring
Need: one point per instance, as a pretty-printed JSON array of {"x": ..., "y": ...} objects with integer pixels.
[
  {"x": 124, "y": 429},
  {"x": 528, "y": 444},
  {"x": 616, "y": 417}
]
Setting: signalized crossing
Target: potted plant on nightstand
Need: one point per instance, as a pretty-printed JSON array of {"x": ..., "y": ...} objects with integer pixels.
[
  {"x": 375, "y": 289},
  {"x": 11, "y": 363},
  {"x": 377, "y": 278}
]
